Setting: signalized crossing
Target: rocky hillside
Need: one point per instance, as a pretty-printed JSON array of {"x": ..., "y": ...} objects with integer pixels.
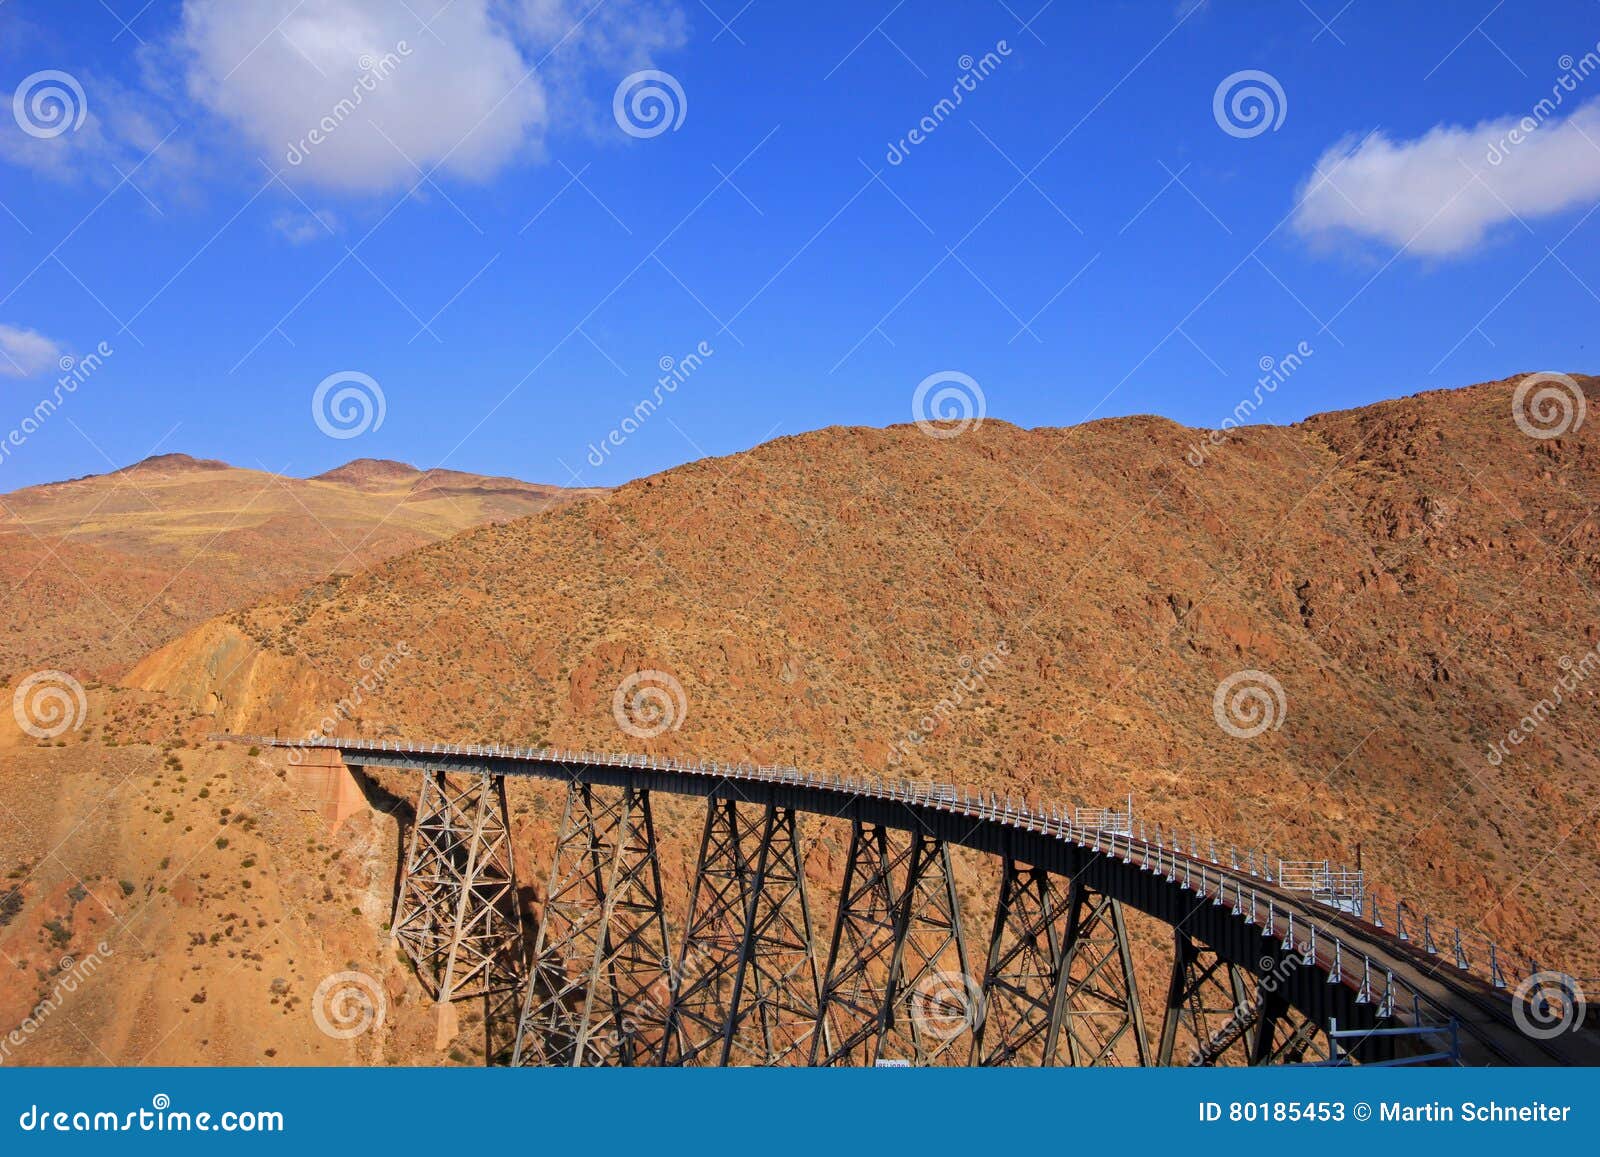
[
  {"x": 97, "y": 571},
  {"x": 1305, "y": 639}
]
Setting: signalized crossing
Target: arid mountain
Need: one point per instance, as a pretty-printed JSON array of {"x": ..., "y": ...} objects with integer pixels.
[
  {"x": 97, "y": 571},
  {"x": 1303, "y": 639}
]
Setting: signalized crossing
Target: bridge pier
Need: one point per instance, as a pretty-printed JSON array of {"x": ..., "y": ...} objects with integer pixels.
[
  {"x": 457, "y": 917},
  {"x": 599, "y": 988},
  {"x": 745, "y": 988},
  {"x": 773, "y": 1008},
  {"x": 1059, "y": 967},
  {"x": 896, "y": 936}
]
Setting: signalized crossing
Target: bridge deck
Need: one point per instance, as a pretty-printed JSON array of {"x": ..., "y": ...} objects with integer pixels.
[{"x": 1354, "y": 970}]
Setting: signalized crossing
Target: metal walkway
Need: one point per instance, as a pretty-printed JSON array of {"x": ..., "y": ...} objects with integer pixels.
[{"x": 746, "y": 984}]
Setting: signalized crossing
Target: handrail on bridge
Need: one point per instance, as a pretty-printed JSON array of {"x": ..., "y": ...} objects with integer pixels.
[{"x": 1108, "y": 832}]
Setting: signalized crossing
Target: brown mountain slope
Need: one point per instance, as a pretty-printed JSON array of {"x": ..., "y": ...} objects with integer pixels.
[
  {"x": 1414, "y": 575},
  {"x": 97, "y": 571}
]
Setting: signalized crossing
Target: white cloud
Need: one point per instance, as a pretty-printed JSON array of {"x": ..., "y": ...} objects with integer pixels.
[
  {"x": 1444, "y": 192},
  {"x": 125, "y": 132},
  {"x": 25, "y": 352},
  {"x": 358, "y": 95},
  {"x": 303, "y": 228}
]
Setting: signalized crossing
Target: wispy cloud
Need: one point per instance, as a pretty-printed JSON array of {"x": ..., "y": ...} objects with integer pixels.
[
  {"x": 303, "y": 228},
  {"x": 1445, "y": 193},
  {"x": 25, "y": 352}
]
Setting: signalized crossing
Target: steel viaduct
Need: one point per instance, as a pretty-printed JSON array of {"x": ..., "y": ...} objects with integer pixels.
[{"x": 1262, "y": 970}]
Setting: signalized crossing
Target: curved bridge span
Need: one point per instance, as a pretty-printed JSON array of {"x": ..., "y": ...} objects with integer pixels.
[{"x": 1260, "y": 971}]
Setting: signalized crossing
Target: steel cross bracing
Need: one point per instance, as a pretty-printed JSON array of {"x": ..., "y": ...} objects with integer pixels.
[
  {"x": 745, "y": 988},
  {"x": 597, "y": 994},
  {"x": 1218, "y": 1012},
  {"x": 457, "y": 916},
  {"x": 1059, "y": 983},
  {"x": 897, "y": 985},
  {"x": 1366, "y": 965}
]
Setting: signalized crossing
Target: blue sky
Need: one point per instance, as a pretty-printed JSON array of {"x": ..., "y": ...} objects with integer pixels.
[{"x": 1088, "y": 233}]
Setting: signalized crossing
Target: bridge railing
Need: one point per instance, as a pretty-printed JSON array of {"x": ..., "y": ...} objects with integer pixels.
[{"x": 1226, "y": 876}]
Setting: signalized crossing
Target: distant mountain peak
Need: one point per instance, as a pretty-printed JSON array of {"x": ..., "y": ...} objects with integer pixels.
[
  {"x": 175, "y": 463},
  {"x": 371, "y": 473}
]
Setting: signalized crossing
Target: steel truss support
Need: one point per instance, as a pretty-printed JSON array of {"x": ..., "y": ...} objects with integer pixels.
[
  {"x": 1059, "y": 973},
  {"x": 457, "y": 916},
  {"x": 745, "y": 986},
  {"x": 897, "y": 980},
  {"x": 599, "y": 988},
  {"x": 1222, "y": 1013}
]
